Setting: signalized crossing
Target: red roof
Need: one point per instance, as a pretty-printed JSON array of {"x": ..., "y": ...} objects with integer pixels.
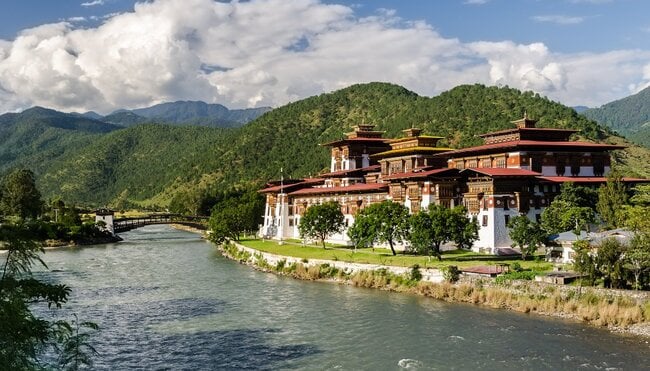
[
  {"x": 418, "y": 174},
  {"x": 535, "y": 144},
  {"x": 589, "y": 179},
  {"x": 345, "y": 172},
  {"x": 362, "y": 187},
  {"x": 280, "y": 188},
  {"x": 500, "y": 171},
  {"x": 528, "y": 129}
]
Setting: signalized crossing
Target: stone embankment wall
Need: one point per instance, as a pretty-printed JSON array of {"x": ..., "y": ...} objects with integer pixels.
[{"x": 428, "y": 274}]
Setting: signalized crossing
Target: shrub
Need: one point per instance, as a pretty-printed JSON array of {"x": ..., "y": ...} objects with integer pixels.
[
  {"x": 451, "y": 273},
  {"x": 415, "y": 275}
]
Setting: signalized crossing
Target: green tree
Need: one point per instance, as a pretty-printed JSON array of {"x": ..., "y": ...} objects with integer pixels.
[
  {"x": 388, "y": 222},
  {"x": 637, "y": 258},
  {"x": 24, "y": 337},
  {"x": 583, "y": 260},
  {"x": 19, "y": 195},
  {"x": 235, "y": 215},
  {"x": 362, "y": 233},
  {"x": 526, "y": 234},
  {"x": 561, "y": 216},
  {"x": 431, "y": 228},
  {"x": 578, "y": 195},
  {"x": 609, "y": 262},
  {"x": 612, "y": 196},
  {"x": 321, "y": 221},
  {"x": 465, "y": 229}
]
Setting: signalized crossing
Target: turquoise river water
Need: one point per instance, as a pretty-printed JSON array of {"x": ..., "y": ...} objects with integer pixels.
[{"x": 167, "y": 300}]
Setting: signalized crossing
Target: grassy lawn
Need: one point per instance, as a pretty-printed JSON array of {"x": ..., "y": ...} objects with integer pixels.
[{"x": 460, "y": 258}]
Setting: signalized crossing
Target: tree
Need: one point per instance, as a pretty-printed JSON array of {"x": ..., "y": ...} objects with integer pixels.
[
  {"x": 465, "y": 229},
  {"x": 321, "y": 221},
  {"x": 609, "y": 262},
  {"x": 20, "y": 197},
  {"x": 578, "y": 195},
  {"x": 362, "y": 233},
  {"x": 637, "y": 258},
  {"x": 583, "y": 260},
  {"x": 235, "y": 215},
  {"x": 431, "y": 228},
  {"x": 23, "y": 335},
  {"x": 526, "y": 234},
  {"x": 561, "y": 216},
  {"x": 612, "y": 196},
  {"x": 388, "y": 222}
]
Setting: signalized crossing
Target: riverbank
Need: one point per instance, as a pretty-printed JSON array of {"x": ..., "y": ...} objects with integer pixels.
[{"x": 617, "y": 312}]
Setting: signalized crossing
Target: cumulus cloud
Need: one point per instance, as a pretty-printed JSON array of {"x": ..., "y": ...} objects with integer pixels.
[
  {"x": 558, "y": 19},
  {"x": 270, "y": 52},
  {"x": 93, "y": 3}
]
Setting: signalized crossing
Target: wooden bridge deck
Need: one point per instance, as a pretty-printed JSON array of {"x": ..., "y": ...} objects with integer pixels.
[{"x": 126, "y": 224}]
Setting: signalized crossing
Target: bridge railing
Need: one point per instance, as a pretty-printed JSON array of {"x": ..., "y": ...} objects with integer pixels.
[{"x": 125, "y": 224}]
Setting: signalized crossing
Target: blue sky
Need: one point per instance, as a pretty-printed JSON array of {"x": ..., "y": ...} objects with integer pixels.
[{"x": 107, "y": 54}]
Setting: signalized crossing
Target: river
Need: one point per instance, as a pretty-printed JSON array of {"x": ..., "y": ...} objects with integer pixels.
[{"x": 165, "y": 299}]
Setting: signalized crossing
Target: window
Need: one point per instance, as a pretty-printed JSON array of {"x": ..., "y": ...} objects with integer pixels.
[
  {"x": 501, "y": 162},
  {"x": 536, "y": 164},
  {"x": 506, "y": 219},
  {"x": 560, "y": 166},
  {"x": 486, "y": 163},
  {"x": 485, "y": 220},
  {"x": 506, "y": 200}
]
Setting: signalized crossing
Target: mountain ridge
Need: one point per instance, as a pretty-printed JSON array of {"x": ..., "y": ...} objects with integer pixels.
[{"x": 152, "y": 164}]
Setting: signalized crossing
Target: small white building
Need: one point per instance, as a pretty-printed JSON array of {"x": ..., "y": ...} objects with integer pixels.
[{"x": 105, "y": 218}]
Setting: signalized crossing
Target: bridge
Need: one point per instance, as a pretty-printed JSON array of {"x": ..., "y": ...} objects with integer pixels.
[{"x": 126, "y": 224}]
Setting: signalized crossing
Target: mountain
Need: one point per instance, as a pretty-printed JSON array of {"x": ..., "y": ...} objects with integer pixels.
[
  {"x": 629, "y": 116},
  {"x": 125, "y": 118},
  {"x": 188, "y": 113},
  {"x": 151, "y": 164},
  {"x": 580, "y": 109},
  {"x": 37, "y": 136}
]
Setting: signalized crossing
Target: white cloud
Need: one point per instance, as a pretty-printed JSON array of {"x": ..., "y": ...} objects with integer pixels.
[
  {"x": 93, "y": 3},
  {"x": 76, "y": 19},
  {"x": 558, "y": 19},
  {"x": 270, "y": 52}
]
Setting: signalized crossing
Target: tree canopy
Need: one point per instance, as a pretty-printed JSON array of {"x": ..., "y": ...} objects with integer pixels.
[
  {"x": 321, "y": 221},
  {"x": 19, "y": 195},
  {"x": 526, "y": 234},
  {"x": 386, "y": 221},
  {"x": 431, "y": 228}
]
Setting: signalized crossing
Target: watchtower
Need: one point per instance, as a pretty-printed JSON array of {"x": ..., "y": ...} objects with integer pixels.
[{"x": 105, "y": 216}]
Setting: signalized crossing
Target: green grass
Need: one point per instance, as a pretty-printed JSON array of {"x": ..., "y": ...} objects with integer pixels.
[{"x": 384, "y": 256}]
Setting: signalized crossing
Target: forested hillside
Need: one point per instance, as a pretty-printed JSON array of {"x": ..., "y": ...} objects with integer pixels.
[
  {"x": 151, "y": 164},
  {"x": 629, "y": 116},
  {"x": 38, "y": 136}
]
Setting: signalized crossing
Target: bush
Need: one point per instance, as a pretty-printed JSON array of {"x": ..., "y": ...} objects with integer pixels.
[
  {"x": 415, "y": 275},
  {"x": 451, "y": 273}
]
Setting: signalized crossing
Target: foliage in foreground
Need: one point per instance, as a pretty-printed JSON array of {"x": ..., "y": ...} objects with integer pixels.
[{"x": 24, "y": 337}]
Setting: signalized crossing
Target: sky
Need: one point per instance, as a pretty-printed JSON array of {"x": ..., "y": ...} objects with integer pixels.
[{"x": 102, "y": 55}]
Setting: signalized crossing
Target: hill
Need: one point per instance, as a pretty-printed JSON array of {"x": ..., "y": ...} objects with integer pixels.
[
  {"x": 135, "y": 163},
  {"x": 150, "y": 165},
  {"x": 38, "y": 136},
  {"x": 187, "y": 113},
  {"x": 629, "y": 116}
]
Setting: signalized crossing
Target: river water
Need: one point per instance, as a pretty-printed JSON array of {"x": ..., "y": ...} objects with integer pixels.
[{"x": 165, "y": 299}]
